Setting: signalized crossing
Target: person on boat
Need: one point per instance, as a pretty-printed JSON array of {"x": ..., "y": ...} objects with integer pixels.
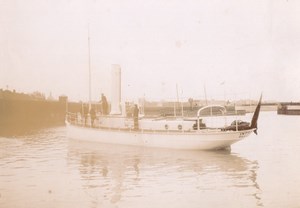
[
  {"x": 85, "y": 113},
  {"x": 104, "y": 104},
  {"x": 93, "y": 116},
  {"x": 201, "y": 125},
  {"x": 136, "y": 117}
]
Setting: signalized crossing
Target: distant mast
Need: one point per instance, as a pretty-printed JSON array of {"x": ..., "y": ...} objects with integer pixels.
[
  {"x": 90, "y": 80},
  {"x": 205, "y": 95}
]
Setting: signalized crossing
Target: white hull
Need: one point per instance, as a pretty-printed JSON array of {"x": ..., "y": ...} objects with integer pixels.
[{"x": 189, "y": 140}]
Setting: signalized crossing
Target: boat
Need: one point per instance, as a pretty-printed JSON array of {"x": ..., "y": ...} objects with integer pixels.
[
  {"x": 288, "y": 108},
  {"x": 174, "y": 133}
]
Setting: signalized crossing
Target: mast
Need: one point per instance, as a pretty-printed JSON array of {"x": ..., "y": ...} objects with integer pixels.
[
  {"x": 205, "y": 95},
  {"x": 90, "y": 84},
  {"x": 177, "y": 104}
]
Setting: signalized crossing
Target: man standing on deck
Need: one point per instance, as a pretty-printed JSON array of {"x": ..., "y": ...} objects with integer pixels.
[
  {"x": 104, "y": 104},
  {"x": 136, "y": 117},
  {"x": 85, "y": 113},
  {"x": 93, "y": 116}
]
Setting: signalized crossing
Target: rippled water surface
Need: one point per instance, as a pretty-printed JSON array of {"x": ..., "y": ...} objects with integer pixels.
[{"x": 46, "y": 169}]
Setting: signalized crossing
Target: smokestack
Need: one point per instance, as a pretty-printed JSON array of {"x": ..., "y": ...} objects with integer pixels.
[{"x": 115, "y": 89}]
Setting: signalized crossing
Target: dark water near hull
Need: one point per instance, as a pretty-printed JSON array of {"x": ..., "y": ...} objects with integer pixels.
[{"x": 43, "y": 168}]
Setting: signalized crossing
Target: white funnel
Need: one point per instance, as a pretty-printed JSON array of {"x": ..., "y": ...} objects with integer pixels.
[{"x": 115, "y": 89}]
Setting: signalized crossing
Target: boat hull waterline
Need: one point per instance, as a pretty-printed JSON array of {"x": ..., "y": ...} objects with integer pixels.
[{"x": 193, "y": 140}]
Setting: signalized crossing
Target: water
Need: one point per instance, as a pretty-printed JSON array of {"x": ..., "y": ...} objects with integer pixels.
[{"x": 45, "y": 169}]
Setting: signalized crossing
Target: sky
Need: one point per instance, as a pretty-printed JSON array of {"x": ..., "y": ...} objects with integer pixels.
[{"x": 232, "y": 49}]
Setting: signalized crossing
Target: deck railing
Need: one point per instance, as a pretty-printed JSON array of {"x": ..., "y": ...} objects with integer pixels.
[{"x": 86, "y": 121}]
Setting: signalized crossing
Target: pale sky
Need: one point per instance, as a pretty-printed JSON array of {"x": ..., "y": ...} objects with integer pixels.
[{"x": 235, "y": 48}]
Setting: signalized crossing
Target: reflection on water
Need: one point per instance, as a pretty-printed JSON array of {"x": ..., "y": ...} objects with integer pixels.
[
  {"x": 29, "y": 165},
  {"x": 24, "y": 129},
  {"x": 134, "y": 176}
]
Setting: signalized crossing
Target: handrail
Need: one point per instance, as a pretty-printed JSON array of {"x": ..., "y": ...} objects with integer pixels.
[{"x": 207, "y": 107}]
